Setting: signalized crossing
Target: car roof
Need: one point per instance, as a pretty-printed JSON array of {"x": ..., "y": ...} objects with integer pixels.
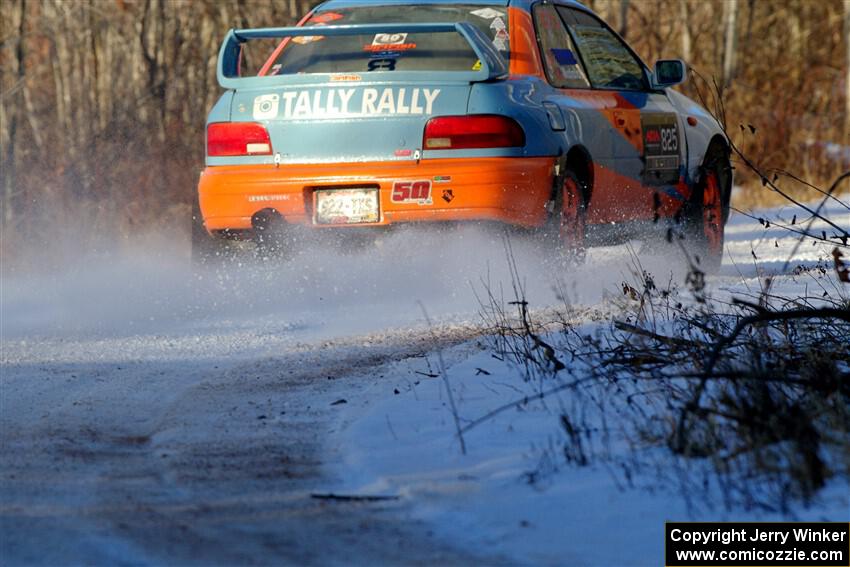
[{"x": 523, "y": 4}]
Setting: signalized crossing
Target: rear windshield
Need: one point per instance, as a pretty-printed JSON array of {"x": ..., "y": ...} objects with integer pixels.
[{"x": 391, "y": 52}]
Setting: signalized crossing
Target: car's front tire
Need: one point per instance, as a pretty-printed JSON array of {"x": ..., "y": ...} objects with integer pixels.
[{"x": 708, "y": 210}]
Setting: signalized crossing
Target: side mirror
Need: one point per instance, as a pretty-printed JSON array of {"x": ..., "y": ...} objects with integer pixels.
[{"x": 669, "y": 72}]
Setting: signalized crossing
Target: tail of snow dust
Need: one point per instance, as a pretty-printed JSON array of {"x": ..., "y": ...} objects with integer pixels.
[{"x": 147, "y": 285}]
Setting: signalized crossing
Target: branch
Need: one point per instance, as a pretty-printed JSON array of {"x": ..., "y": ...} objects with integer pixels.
[
  {"x": 793, "y": 314},
  {"x": 629, "y": 328}
]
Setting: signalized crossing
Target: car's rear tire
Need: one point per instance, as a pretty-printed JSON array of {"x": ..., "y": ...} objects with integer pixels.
[
  {"x": 569, "y": 219},
  {"x": 708, "y": 210},
  {"x": 207, "y": 250},
  {"x": 274, "y": 239}
]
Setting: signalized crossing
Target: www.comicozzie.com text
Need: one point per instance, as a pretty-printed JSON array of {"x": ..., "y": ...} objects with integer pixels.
[{"x": 755, "y": 534}]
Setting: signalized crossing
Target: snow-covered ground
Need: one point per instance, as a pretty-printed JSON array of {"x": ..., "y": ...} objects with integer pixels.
[
  {"x": 149, "y": 417},
  {"x": 407, "y": 444}
]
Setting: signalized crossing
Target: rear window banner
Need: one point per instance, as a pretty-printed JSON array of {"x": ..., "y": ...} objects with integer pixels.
[
  {"x": 342, "y": 102},
  {"x": 422, "y": 51}
]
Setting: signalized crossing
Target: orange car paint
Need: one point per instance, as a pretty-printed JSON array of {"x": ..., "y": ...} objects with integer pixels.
[
  {"x": 614, "y": 196},
  {"x": 525, "y": 58},
  {"x": 511, "y": 190},
  {"x": 617, "y": 197}
]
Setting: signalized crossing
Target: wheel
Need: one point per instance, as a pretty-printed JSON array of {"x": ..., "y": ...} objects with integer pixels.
[
  {"x": 271, "y": 236},
  {"x": 207, "y": 250},
  {"x": 709, "y": 210},
  {"x": 570, "y": 215},
  {"x": 564, "y": 234}
]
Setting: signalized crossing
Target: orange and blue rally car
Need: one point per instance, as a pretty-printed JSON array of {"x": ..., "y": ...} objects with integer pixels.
[{"x": 534, "y": 114}]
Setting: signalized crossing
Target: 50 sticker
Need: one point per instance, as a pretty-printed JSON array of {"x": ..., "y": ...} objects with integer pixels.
[
  {"x": 412, "y": 192},
  {"x": 389, "y": 39}
]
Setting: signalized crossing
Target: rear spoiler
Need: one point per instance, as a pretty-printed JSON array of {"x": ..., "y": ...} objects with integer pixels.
[{"x": 492, "y": 63}]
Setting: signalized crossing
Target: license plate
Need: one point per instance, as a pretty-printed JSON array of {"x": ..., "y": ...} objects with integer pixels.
[{"x": 347, "y": 206}]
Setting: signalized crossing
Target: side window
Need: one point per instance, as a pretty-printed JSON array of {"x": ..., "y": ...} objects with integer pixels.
[
  {"x": 610, "y": 64},
  {"x": 563, "y": 68}
]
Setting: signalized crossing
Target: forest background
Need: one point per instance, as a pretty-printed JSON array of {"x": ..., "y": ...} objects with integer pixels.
[{"x": 103, "y": 102}]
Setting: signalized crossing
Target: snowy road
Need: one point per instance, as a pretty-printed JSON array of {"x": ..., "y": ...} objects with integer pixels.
[
  {"x": 148, "y": 417},
  {"x": 187, "y": 461}
]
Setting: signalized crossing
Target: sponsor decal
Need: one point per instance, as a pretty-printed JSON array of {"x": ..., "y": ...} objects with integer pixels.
[
  {"x": 412, "y": 192},
  {"x": 383, "y": 64},
  {"x": 498, "y": 25},
  {"x": 307, "y": 39},
  {"x": 389, "y": 48},
  {"x": 477, "y": 66},
  {"x": 572, "y": 72},
  {"x": 487, "y": 13},
  {"x": 448, "y": 195},
  {"x": 343, "y": 102},
  {"x": 266, "y": 106},
  {"x": 390, "y": 39},
  {"x": 443, "y": 179},
  {"x": 347, "y": 77},
  {"x": 266, "y": 198},
  {"x": 325, "y": 18},
  {"x": 564, "y": 56}
]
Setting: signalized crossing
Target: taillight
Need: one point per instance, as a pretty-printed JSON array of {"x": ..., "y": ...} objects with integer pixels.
[
  {"x": 476, "y": 131},
  {"x": 238, "y": 139}
]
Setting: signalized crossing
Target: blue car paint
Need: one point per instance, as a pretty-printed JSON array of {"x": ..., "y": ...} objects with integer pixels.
[{"x": 554, "y": 121}]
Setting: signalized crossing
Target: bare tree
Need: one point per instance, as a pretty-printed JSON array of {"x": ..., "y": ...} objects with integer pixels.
[
  {"x": 102, "y": 102},
  {"x": 685, "y": 12},
  {"x": 847, "y": 72},
  {"x": 624, "y": 17},
  {"x": 9, "y": 110},
  {"x": 730, "y": 36}
]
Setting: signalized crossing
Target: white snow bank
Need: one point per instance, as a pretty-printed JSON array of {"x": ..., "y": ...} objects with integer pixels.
[{"x": 404, "y": 443}]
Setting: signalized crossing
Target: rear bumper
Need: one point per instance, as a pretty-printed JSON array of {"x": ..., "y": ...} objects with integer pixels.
[{"x": 508, "y": 190}]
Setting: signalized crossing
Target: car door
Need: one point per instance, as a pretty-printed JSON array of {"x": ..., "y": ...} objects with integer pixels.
[
  {"x": 580, "y": 111},
  {"x": 645, "y": 152}
]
